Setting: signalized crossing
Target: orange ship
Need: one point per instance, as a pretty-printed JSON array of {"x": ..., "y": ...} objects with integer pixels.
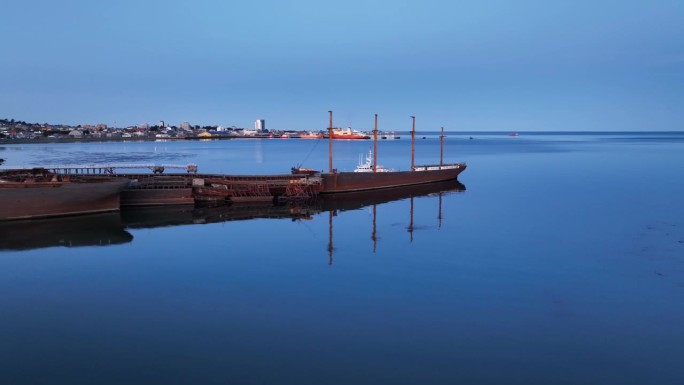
[{"x": 348, "y": 133}]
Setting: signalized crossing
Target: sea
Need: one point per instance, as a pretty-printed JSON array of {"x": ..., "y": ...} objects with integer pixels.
[{"x": 557, "y": 259}]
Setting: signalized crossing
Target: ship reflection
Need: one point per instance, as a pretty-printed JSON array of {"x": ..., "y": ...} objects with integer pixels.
[
  {"x": 111, "y": 228},
  {"x": 83, "y": 230},
  {"x": 353, "y": 201}
]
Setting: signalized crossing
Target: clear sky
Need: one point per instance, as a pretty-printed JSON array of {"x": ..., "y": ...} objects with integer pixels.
[{"x": 465, "y": 65}]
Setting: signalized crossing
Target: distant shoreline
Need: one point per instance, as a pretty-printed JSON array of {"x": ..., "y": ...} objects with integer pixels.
[
  {"x": 402, "y": 133},
  {"x": 96, "y": 140}
]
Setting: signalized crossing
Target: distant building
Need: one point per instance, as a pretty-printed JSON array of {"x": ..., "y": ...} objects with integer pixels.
[
  {"x": 162, "y": 124},
  {"x": 143, "y": 126},
  {"x": 260, "y": 125},
  {"x": 185, "y": 126},
  {"x": 249, "y": 132}
]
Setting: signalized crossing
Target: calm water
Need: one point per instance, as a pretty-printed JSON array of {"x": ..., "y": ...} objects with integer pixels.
[{"x": 562, "y": 262}]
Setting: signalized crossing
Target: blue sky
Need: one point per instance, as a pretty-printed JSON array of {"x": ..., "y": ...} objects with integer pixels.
[{"x": 465, "y": 65}]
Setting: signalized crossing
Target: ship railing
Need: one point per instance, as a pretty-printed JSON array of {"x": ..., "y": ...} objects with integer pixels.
[
  {"x": 108, "y": 169},
  {"x": 434, "y": 167}
]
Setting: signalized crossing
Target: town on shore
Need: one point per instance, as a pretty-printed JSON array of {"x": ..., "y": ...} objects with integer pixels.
[{"x": 19, "y": 131}]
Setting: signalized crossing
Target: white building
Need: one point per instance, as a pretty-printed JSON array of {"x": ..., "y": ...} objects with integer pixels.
[{"x": 260, "y": 125}]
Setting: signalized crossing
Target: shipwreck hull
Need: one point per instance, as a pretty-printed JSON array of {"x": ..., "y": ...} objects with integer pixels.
[
  {"x": 339, "y": 182},
  {"x": 41, "y": 200}
]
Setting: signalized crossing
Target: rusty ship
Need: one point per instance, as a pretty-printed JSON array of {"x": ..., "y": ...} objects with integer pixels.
[
  {"x": 38, "y": 193},
  {"x": 374, "y": 177}
]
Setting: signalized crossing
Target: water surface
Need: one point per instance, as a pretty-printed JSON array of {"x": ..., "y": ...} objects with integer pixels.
[{"x": 562, "y": 261}]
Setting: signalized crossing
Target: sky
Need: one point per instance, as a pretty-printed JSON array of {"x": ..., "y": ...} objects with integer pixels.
[{"x": 488, "y": 65}]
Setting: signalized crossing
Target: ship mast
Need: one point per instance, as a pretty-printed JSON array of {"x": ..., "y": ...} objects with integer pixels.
[
  {"x": 375, "y": 144},
  {"x": 441, "y": 149},
  {"x": 330, "y": 142},
  {"x": 413, "y": 143}
]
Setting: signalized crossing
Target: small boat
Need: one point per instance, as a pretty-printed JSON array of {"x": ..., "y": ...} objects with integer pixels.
[
  {"x": 513, "y": 134},
  {"x": 368, "y": 165},
  {"x": 38, "y": 192}
]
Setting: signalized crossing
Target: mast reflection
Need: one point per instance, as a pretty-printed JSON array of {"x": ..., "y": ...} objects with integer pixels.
[
  {"x": 354, "y": 201},
  {"x": 112, "y": 228}
]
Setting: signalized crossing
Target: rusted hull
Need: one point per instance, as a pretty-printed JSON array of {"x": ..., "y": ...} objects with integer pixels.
[
  {"x": 216, "y": 189},
  {"x": 58, "y": 199},
  {"x": 340, "y": 182},
  {"x": 156, "y": 197}
]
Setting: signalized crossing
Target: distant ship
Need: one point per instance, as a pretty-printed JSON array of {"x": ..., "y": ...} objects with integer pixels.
[
  {"x": 347, "y": 133},
  {"x": 311, "y": 135}
]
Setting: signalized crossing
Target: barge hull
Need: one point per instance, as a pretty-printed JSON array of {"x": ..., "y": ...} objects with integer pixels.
[
  {"x": 156, "y": 197},
  {"x": 340, "y": 182},
  {"x": 60, "y": 199}
]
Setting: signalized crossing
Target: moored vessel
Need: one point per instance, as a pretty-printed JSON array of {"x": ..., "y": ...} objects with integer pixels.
[
  {"x": 367, "y": 166},
  {"x": 371, "y": 176},
  {"x": 346, "y": 133},
  {"x": 38, "y": 193},
  {"x": 311, "y": 135}
]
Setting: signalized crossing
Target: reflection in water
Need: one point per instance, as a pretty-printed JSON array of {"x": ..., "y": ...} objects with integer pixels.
[
  {"x": 353, "y": 201},
  {"x": 110, "y": 228},
  {"x": 149, "y": 217},
  {"x": 85, "y": 230}
]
